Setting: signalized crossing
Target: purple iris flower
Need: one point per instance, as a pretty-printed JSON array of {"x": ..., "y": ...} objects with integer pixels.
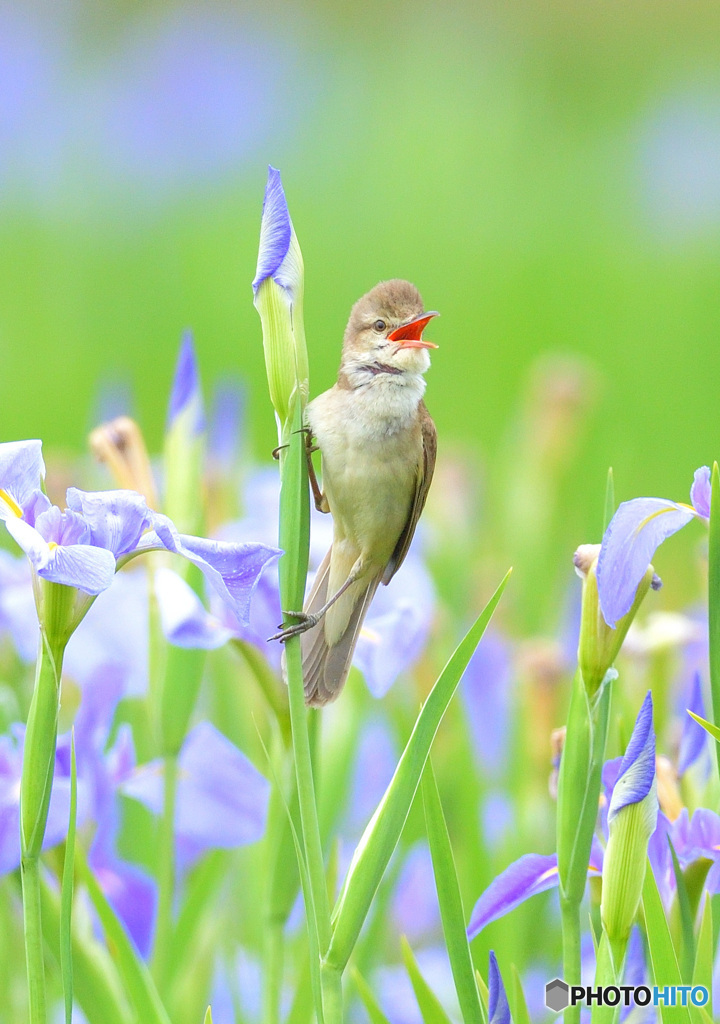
[
  {"x": 186, "y": 396},
  {"x": 498, "y": 1009},
  {"x": 637, "y": 529},
  {"x": 221, "y": 797},
  {"x": 79, "y": 547}
]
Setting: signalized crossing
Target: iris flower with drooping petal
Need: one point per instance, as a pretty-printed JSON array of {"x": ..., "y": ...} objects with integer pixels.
[
  {"x": 82, "y": 546},
  {"x": 636, "y": 530}
]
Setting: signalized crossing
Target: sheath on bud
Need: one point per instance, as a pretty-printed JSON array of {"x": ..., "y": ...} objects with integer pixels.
[
  {"x": 600, "y": 643},
  {"x": 632, "y": 817},
  {"x": 278, "y": 288}
]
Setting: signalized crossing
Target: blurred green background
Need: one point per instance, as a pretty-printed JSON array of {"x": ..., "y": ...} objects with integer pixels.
[{"x": 547, "y": 174}]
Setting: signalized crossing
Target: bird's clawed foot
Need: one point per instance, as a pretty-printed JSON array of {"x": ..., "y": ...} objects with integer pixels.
[{"x": 305, "y": 622}]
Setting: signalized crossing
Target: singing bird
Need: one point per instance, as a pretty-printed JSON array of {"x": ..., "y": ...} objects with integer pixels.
[{"x": 377, "y": 444}]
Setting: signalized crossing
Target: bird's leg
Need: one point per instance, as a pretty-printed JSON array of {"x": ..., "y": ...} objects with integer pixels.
[
  {"x": 307, "y": 621},
  {"x": 319, "y": 498}
]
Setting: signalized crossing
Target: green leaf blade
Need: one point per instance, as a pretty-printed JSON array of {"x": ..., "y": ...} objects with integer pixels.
[
  {"x": 431, "y": 1009},
  {"x": 381, "y": 836},
  {"x": 450, "y": 900}
]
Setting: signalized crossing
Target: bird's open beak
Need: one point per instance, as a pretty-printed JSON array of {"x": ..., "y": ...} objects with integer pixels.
[{"x": 410, "y": 335}]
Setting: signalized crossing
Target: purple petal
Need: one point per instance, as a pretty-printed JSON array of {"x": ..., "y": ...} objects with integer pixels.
[
  {"x": 131, "y": 893},
  {"x": 487, "y": 691},
  {"x": 116, "y": 519},
  {"x": 693, "y": 740},
  {"x": 701, "y": 491},
  {"x": 415, "y": 908},
  {"x": 63, "y": 528},
  {"x": 88, "y": 568},
  {"x": 224, "y": 435},
  {"x": 275, "y": 230},
  {"x": 184, "y": 619},
  {"x": 35, "y": 547},
  {"x": 221, "y": 797},
  {"x": 498, "y": 1009},
  {"x": 637, "y": 769},
  {"x": 18, "y": 614},
  {"x": 636, "y": 531},
  {"x": 22, "y": 470},
  {"x": 231, "y": 569},
  {"x": 186, "y": 392},
  {"x": 114, "y": 635},
  {"x": 528, "y": 876}
]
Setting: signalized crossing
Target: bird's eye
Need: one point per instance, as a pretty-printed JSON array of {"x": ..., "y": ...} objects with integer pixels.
[{"x": 379, "y": 326}]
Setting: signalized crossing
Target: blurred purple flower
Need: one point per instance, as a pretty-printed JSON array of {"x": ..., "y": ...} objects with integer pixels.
[
  {"x": 498, "y": 818},
  {"x": 184, "y": 619},
  {"x": 487, "y": 691},
  {"x": 498, "y": 1009},
  {"x": 114, "y": 635},
  {"x": 395, "y": 992},
  {"x": 637, "y": 529},
  {"x": 415, "y": 910},
  {"x": 18, "y": 614},
  {"x": 221, "y": 797},
  {"x": 11, "y": 751},
  {"x": 693, "y": 739},
  {"x": 681, "y": 164},
  {"x": 375, "y": 763},
  {"x": 226, "y": 424},
  {"x": 132, "y": 894},
  {"x": 186, "y": 396}
]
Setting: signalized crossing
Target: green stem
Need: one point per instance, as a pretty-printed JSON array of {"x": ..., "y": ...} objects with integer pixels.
[
  {"x": 332, "y": 996},
  {"x": 570, "y": 910},
  {"x": 166, "y": 874},
  {"x": 306, "y": 792},
  {"x": 30, "y": 869},
  {"x": 35, "y": 788}
]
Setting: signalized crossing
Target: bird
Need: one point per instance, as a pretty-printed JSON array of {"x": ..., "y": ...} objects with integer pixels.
[{"x": 377, "y": 444}]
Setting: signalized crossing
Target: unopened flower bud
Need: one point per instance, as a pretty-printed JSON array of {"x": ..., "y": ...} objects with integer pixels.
[
  {"x": 632, "y": 817},
  {"x": 278, "y": 288}
]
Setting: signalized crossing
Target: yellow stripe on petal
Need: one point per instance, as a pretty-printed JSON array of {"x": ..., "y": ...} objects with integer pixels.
[
  {"x": 679, "y": 507},
  {"x": 11, "y": 504},
  {"x": 371, "y": 635}
]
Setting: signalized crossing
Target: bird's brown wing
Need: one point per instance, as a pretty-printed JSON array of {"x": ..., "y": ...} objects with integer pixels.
[{"x": 425, "y": 474}]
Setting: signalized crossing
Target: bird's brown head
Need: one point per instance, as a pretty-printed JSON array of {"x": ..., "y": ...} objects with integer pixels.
[{"x": 386, "y": 327}]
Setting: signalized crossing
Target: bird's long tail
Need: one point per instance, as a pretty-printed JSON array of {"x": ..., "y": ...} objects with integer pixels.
[{"x": 325, "y": 667}]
